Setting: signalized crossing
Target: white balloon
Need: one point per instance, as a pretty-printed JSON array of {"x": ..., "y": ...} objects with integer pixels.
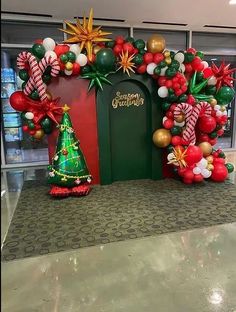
[
  {"x": 68, "y": 72},
  {"x": 170, "y": 156},
  {"x": 197, "y": 170},
  {"x": 202, "y": 163},
  {"x": 51, "y": 53},
  {"x": 212, "y": 81},
  {"x": 217, "y": 107},
  {"x": 206, "y": 173},
  {"x": 162, "y": 92},
  {"x": 49, "y": 44},
  {"x": 150, "y": 68},
  {"x": 75, "y": 48},
  {"x": 182, "y": 68},
  {"x": 81, "y": 59},
  {"x": 180, "y": 124},
  {"x": 29, "y": 115},
  {"x": 219, "y": 113},
  {"x": 205, "y": 64},
  {"x": 179, "y": 57},
  {"x": 224, "y": 113},
  {"x": 163, "y": 71}
]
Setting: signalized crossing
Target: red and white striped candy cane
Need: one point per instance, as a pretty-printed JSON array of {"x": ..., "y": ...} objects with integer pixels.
[
  {"x": 187, "y": 110},
  {"x": 189, "y": 132},
  {"x": 37, "y": 69}
]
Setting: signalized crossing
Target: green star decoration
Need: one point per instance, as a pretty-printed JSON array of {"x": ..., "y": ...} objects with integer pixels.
[
  {"x": 194, "y": 89},
  {"x": 96, "y": 79}
]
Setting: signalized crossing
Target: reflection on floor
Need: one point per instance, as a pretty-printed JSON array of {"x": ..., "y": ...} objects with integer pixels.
[{"x": 191, "y": 271}]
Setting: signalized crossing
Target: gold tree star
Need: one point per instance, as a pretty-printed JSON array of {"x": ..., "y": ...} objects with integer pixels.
[
  {"x": 85, "y": 34},
  {"x": 65, "y": 108},
  {"x": 126, "y": 62}
]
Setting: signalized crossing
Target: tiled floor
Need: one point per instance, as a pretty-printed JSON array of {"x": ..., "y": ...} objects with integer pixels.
[{"x": 191, "y": 271}]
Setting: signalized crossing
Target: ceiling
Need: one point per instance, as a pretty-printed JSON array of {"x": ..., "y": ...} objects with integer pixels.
[{"x": 194, "y": 13}]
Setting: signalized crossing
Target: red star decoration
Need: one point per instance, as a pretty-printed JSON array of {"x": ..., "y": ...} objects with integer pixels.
[{"x": 223, "y": 75}]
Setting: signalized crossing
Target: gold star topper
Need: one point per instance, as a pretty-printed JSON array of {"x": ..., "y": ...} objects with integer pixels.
[
  {"x": 126, "y": 62},
  {"x": 85, "y": 34},
  {"x": 65, "y": 108}
]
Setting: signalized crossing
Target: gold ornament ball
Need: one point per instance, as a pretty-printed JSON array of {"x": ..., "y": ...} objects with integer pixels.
[
  {"x": 180, "y": 118},
  {"x": 69, "y": 66},
  {"x": 213, "y": 102},
  {"x": 166, "y": 53},
  {"x": 206, "y": 148},
  {"x": 168, "y": 60},
  {"x": 161, "y": 137},
  {"x": 210, "y": 167},
  {"x": 156, "y": 43},
  {"x": 39, "y": 134},
  {"x": 210, "y": 159},
  {"x": 96, "y": 49}
]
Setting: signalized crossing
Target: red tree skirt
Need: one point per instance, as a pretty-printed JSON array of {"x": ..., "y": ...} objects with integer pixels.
[{"x": 59, "y": 191}]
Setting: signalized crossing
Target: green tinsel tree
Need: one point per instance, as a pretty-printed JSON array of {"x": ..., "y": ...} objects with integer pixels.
[{"x": 68, "y": 168}]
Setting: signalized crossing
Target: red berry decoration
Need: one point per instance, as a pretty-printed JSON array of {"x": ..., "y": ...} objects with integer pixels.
[
  {"x": 207, "y": 124},
  {"x": 219, "y": 173}
]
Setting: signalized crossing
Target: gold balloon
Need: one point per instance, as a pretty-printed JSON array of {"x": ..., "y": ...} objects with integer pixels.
[
  {"x": 39, "y": 134},
  {"x": 213, "y": 102},
  {"x": 69, "y": 66},
  {"x": 206, "y": 148},
  {"x": 96, "y": 49},
  {"x": 156, "y": 43},
  {"x": 166, "y": 53},
  {"x": 49, "y": 96},
  {"x": 210, "y": 159},
  {"x": 180, "y": 118},
  {"x": 161, "y": 137},
  {"x": 168, "y": 60},
  {"x": 210, "y": 167}
]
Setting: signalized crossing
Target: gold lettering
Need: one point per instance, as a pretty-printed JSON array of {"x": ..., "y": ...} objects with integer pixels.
[{"x": 126, "y": 100}]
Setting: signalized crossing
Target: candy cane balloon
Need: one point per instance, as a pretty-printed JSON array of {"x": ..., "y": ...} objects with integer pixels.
[
  {"x": 192, "y": 115},
  {"x": 37, "y": 69}
]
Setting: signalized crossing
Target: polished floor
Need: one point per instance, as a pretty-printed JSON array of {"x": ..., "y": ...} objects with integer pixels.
[{"x": 190, "y": 271}]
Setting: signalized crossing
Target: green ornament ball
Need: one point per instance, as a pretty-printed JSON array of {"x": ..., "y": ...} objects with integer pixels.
[
  {"x": 46, "y": 78},
  {"x": 230, "y": 167},
  {"x": 213, "y": 135},
  {"x": 142, "y": 51},
  {"x": 171, "y": 72},
  {"x": 23, "y": 85},
  {"x": 182, "y": 98},
  {"x": 64, "y": 58},
  {"x": 71, "y": 56},
  {"x": 31, "y": 125},
  {"x": 130, "y": 39},
  {"x": 172, "y": 98},
  {"x": 139, "y": 44},
  {"x": 23, "y": 74},
  {"x": 105, "y": 60},
  {"x": 175, "y": 64},
  {"x": 85, "y": 69},
  {"x": 138, "y": 59},
  {"x": 46, "y": 123},
  {"x": 34, "y": 95},
  {"x": 222, "y": 155},
  {"x": 200, "y": 54},
  {"x": 170, "y": 148},
  {"x": 176, "y": 130},
  {"x": 110, "y": 44},
  {"x": 199, "y": 76},
  {"x": 172, "y": 54},
  {"x": 224, "y": 95},
  {"x": 157, "y": 70},
  {"x": 38, "y": 50},
  {"x": 22, "y": 115},
  {"x": 165, "y": 106},
  {"x": 162, "y": 64},
  {"x": 188, "y": 57}
]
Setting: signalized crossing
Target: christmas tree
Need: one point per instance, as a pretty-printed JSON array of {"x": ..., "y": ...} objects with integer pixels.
[{"x": 68, "y": 168}]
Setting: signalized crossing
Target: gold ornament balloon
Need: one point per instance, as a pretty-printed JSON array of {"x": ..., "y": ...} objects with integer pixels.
[
  {"x": 69, "y": 66},
  {"x": 156, "y": 43},
  {"x": 210, "y": 167},
  {"x": 213, "y": 102},
  {"x": 168, "y": 60},
  {"x": 206, "y": 148},
  {"x": 161, "y": 137},
  {"x": 180, "y": 118},
  {"x": 210, "y": 159},
  {"x": 96, "y": 49},
  {"x": 39, "y": 134},
  {"x": 166, "y": 53}
]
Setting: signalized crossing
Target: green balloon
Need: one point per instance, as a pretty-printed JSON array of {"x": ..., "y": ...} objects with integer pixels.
[
  {"x": 165, "y": 106},
  {"x": 171, "y": 91},
  {"x": 46, "y": 78},
  {"x": 23, "y": 74},
  {"x": 175, "y": 64},
  {"x": 85, "y": 69},
  {"x": 64, "y": 58},
  {"x": 199, "y": 76},
  {"x": 139, "y": 44},
  {"x": 188, "y": 57},
  {"x": 172, "y": 98},
  {"x": 105, "y": 60},
  {"x": 47, "y": 130},
  {"x": 71, "y": 56},
  {"x": 48, "y": 70},
  {"x": 142, "y": 51},
  {"x": 213, "y": 135},
  {"x": 130, "y": 39},
  {"x": 210, "y": 90},
  {"x": 172, "y": 54},
  {"x": 170, "y": 148},
  {"x": 182, "y": 98},
  {"x": 157, "y": 70},
  {"x": 138, "y": 59},
  {"x": 46, "y": 123},
  {"x": 110, "y": 44},
  {"x": 22, "y": 115},
  {"x": 221, "y": 155},
  {"x": 162, "y": 64},
  {"x": 23, "y": 85},
  {"x": 38, "y": 50},
  {"x": 31, "y": 125},
  {"x": 34, "y": 95},
  {"x": 176, "y": 130},
  {"x": 171, "y": 72},
  {"x": 225, "y": 95},
  {"x": 200, "y": 54},
  {"x": 230, "y": 167}
]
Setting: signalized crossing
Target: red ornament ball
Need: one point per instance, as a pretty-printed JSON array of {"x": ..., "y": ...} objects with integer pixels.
[
  {"x": 64, "y": 151},
  {"x": 189, "y": 175},
  {"x": 176, "y": 140},
  {"x": 141, "y": 69},
  {"x": 119, "y": 40},
  {"x": 61, "y": 49},
  {"x": 168, "y": 123},
  {"x": 76, "y": 69},
  {"x": 127, "y": 46},
  {"x": 193, "y": 155},
  {"x": 198, "y": 178},
  {"x": 148, "y": 58},
  {"x": 18, "y": 101},
  {"x": 158, "y": 58},
  {"x": 207, "y": 124},
  {"x": 219, "y": 173},
  {"x": 117, "y": 49}
]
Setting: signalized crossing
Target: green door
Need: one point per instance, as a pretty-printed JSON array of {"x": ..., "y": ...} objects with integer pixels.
[{"x": 127, "y": 116}]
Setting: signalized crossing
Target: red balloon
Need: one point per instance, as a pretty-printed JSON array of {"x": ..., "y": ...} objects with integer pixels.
[
  {"x": 18, "y": 101},
  {"x": 162, "y": 81},
  {"x": 189, "y": 175},
  {"x": 119, "y": 40},
  {"x": 181, "y": 171},
  {"x": 135, "y": 51},
  {"x": 40, "y": 41},
  {"x": 220, "y": 132},
  {"x": 168, "y": 123},
  {"x": 117, "y": 49},
  {"x": 212, "y": 141},
  {"x": 158, "y": 57},
  {"x": 173, "y": 107},
  {"x": 207, "y": 72},
  {"x": 169, "y": 84},
  {"x": 192, "y": 50},
  {"x": 198, "y": 178},
  {"x": 25, "y": 128},
  {"x": 219, "y": 161},
  {"x": 219, "y": 173},
  {"x": 207, "y": 124},
  {"x": 176, "y": 140},
  {"x": 188, "y": 68},
  {"x": 148, "y": 58},
  {"x": 170, "y": 114},
  {"x": 127, "y": 46},
  {"x": 76, "y": 69},
  {"x": 187, "y": 181},
  {"x": 193, "y": 155},
  {"x": 191, "y": 99},
  {"x": 61, "y": 49},
  {"x": 141, "y": 69}
]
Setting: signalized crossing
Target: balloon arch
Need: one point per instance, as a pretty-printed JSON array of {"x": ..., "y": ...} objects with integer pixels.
[{"x": 193, "y": 94}]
